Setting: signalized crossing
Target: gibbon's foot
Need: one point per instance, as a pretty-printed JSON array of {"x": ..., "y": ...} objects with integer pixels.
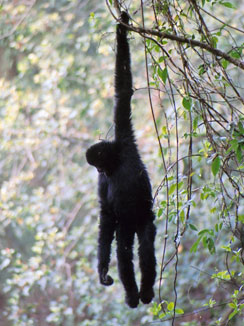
[
  {"x": 146, "y": 295},
  {"x": 106, "y": 279},
  {"x": 132, "y": 299}
]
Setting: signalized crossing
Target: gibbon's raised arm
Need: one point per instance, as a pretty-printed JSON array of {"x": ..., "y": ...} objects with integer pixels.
[{"x": 123, "y": 84}]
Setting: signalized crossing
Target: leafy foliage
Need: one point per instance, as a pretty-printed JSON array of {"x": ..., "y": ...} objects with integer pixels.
[{"x": 56, "y": 78}]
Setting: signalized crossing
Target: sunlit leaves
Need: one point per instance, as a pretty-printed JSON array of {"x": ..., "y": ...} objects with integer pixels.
[
  {"x": 210, "y": 303},
  {"x": 223, "y": 275},
  {"x": 60, "y": 101},
  {"x": 168, "y": 310}
]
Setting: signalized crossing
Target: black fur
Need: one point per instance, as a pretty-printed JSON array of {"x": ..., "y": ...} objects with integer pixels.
[{"x": 124, "y": 190}]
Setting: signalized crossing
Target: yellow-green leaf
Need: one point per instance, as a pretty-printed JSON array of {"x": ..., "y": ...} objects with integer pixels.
[{"x": 170, "y": 306}]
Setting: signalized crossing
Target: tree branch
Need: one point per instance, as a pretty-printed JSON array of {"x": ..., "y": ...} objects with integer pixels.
[{"x": 192, "y": 43}]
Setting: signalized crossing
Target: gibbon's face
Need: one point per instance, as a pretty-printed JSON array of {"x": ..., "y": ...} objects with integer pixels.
[{"x": 100, "y": 155}]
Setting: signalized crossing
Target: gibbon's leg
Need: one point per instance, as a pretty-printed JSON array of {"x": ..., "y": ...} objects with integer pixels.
[
  {"x": 146, "y": 235},
  {"x": 105, "y": 238},
  {"x": 125, "y": 239}
]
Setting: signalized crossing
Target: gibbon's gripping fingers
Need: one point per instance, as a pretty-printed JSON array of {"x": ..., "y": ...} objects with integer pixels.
[{"x": 124, "y": 17}]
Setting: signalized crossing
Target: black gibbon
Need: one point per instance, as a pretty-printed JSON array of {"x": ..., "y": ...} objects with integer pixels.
[{"x": 124, "y": 190}]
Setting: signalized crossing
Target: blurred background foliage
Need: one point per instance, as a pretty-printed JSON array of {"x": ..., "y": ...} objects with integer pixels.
[{"x": 56, "y": 79}]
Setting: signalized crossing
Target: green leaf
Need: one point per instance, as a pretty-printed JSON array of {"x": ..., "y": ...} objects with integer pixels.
[
  {"x": 163, "y": 74},
  {"x": 156, "y": 48},
  {"x": 172, "y": 188},
  {"x": 205, "y": 242},
  {"x": 234, "y": 145},
  {"x": 92, "y": 15},
  {"x": 239, "y": 154},
  {"x": 235, "y": 54},
  {"x": 195, "y": 123},
  {"x": 202, "y": 69},
  {"x": 160, "y": 212},
  {"x": 155, "y": 309},
  {"x": 241, "y": 218},
  {"x": 161, "y": 59},
  {"x": 195, "y": 245},
  {"x": 224, "y": 63},
  {"x": 233, "y": 314},
  {"x": 216, "y": 165},
  {"x": 226, "y": 248},
  {"x": 182, "y": 216},
  {"x": 211, "y": 246},
  {"x": 187, "y": 103},
  {"x": 214, "y": 40},
  {"x": 216, "y": 228},
  {"x": 180, "y": 184},
  {"x": 179, "y": 311},
  {"x": 241, "y": 128},
  {"x": 228, "y": 5},
  {"x": 162, "y": 315},
  {"x": 193, "y": 227},
  {"x": 164, "y": 130}
]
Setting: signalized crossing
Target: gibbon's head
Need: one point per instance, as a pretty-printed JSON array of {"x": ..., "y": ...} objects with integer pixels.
[{"x": 104, "y": 156}]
